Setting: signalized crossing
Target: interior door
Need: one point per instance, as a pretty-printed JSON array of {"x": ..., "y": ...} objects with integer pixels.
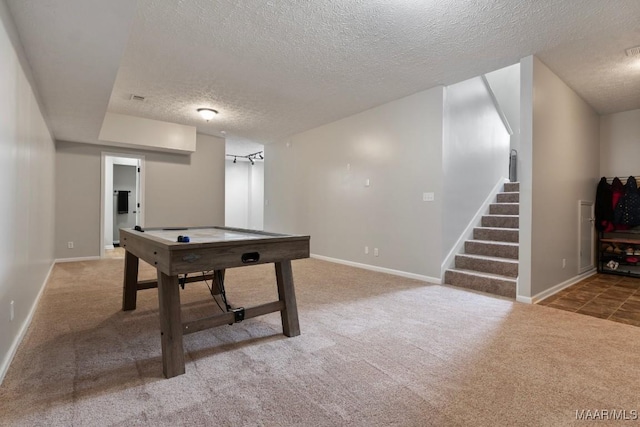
[{"x": 586, "y": 236}]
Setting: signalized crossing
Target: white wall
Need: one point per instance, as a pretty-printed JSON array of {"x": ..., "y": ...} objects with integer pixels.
[
  {"x": 505, "y": 84},
  {"x": 26, "y": 186},
  {"x": 475, "y": 155},
  {"x": 244, "y": 194},
  {"x": 137, "y": 132},
  {"x": 316, "y": 185},
  {"x": 564, "y": 145},
  {"x": 620, "y": 144}
]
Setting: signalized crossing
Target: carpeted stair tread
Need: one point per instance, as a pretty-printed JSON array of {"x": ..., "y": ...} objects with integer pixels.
[
  {"x": 489, "y": 258},
  {"x": 498, "y": 228},
  {"x": 495, "y": 242}
]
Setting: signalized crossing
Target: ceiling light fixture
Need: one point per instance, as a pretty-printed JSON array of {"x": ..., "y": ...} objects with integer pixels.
[{"x": 207, "y": 113}]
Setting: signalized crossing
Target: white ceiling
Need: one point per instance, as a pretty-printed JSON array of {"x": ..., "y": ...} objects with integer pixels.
[{"x": 275, "y": 68}]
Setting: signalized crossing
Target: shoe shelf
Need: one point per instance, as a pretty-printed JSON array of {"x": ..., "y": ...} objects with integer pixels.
[{"x": 619, "y": 253}]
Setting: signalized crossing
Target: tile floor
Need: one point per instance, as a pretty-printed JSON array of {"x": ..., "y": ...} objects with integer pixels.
[{"x": 606, "y": 296}]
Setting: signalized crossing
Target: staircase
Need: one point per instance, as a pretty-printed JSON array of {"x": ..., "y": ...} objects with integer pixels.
[{"x": 490, "y": 261}]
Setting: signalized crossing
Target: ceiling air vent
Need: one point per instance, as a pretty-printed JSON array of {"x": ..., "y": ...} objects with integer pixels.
[
  {"x": 137, "y": 98},
  {"x": 633, "y": 51}
]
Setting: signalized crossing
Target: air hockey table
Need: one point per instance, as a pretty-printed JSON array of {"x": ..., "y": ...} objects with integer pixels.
[{"x": 213, "y": 250}]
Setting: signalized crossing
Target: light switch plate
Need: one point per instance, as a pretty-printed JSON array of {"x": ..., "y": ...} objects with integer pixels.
[{"x": 428, "y": 197}]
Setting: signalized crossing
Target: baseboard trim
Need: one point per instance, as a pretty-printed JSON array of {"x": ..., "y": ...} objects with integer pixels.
[
  {"x": 86, "y": 258},
  {"x": 108, "y": 247},
  {"x": 23, "y": 329},
  {"x": 408, "y": 275},
  {"x": 557, "y": 288}
]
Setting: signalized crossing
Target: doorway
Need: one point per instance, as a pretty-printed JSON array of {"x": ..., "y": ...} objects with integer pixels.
[
  {"x": 122, "y": 198},
  {"x": 586, "y": 236}
]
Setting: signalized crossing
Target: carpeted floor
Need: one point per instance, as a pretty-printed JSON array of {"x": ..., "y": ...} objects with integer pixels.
[{"x": 375, "y": 350}]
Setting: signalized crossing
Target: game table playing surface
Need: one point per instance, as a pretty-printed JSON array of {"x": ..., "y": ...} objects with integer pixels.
[{"x": 210, "y": 249}]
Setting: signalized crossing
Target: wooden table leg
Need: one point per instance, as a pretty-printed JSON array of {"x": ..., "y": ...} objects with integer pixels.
[
  {"x": 218, "y": 281},
  {"x": 130, "y": 283},
  {"x": 287, "y": 294},
  {"x": 170, "y": 325}
]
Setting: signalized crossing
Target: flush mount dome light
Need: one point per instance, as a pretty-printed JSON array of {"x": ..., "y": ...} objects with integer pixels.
[{"x": 207, "y": 113}]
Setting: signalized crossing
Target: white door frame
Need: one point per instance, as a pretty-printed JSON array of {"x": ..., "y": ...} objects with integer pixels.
[
  {"x": 592, "y": 236},
  {"x": 103, "y": 186}
]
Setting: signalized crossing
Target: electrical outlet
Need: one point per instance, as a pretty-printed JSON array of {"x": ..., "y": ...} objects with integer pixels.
[
  {"x": 564, "y": 262},
  {"x": 375, "y": 251},
  {"x": 70, "y": 245},
  {"x": 12, "y": 313},
  {"x": 366, "y": 250}
]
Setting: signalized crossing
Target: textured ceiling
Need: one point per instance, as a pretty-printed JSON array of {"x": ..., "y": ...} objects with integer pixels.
[{"x": 275, "y": 68}]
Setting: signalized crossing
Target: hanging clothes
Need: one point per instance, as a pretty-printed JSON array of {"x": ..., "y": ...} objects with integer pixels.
[
  {"x": 628, "y": 208},
  {"x": 617, "y": 190},
  {"x": 604, "y": 205}
]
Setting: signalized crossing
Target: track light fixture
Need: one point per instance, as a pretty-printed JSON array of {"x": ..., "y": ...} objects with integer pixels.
[{"x": 251, "y": 157}]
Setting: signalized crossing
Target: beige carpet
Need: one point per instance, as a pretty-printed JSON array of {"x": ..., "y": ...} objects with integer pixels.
[{"x": 375, "y": 350}]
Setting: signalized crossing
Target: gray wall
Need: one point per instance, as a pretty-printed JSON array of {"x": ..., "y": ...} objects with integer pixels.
[
  {"x": 27, "y": 191},
  {"x": 181, "y": 190},
  {"x": 620, "y": 144},
  {"x": 475, "y": 155},
  {"x": 316, "y": 185},
  {"x": 564, "y": 146}
]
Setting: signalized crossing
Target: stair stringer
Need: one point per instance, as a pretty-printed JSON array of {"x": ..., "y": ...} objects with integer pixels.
[{"x": 467, "y": 234}]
